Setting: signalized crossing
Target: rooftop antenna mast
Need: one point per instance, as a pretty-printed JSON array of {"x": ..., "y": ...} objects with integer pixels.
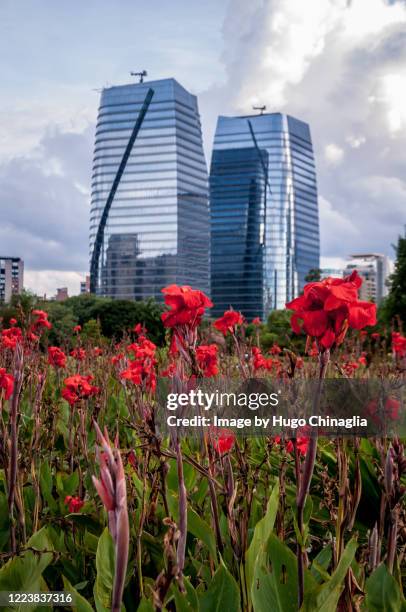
[
  {"x": 141, "y": 74},
  {"x": 261, "y": 109}
]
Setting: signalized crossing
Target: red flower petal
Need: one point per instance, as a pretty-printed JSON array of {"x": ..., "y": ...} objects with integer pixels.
[{"x": 361, "y": 314}]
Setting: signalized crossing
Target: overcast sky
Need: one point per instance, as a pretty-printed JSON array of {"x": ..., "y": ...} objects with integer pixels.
[{"x": 338, "y": 64}]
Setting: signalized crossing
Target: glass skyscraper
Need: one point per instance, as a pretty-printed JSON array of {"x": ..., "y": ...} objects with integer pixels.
[
  {"x": 264, "y": 212},
  {"x": 157, "y": 231}
]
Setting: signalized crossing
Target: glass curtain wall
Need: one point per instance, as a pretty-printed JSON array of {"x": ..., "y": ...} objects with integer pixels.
[
  {"x": 158, "y": 226},
  {"x": 275, "y": 152}
]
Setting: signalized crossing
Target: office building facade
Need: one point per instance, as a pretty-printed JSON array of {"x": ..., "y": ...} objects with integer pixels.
[
  {"x": 11, "y": 277},
  {"x": 157, "y": 231},
  {"x": 263, "y": 212},
  {"x": 374, "y": 269}
]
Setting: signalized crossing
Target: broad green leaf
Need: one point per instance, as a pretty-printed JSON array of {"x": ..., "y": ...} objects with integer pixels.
[
  {"x": 324, "y": 598},
  {"x": 383, "y": 592},
  {"x": 79, "y": 604},
  {"x": 321, "y": 563},
  {"x": 67, "y": 485},
  {"x": 201, "y": 530},
  {"x": 262, "y": 531},
  {"x": 24, "y": 573},
  {"x": 274, "y": 584},
  {"x": 186, "y": 602},
  {"x": 222, "y": 594},
  {"x": 105, "y": 564}
]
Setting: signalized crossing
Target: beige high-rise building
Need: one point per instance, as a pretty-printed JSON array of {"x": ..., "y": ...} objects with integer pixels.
[
  {"x": 374, "y": 269},
  {"x": 11, "y": 277}
]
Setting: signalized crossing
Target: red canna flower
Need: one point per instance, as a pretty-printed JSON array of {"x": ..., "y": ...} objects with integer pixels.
[
  {"x": 117, "y": 358},
  {"x": 141, "y": 370},
  {"x": 41, "y": 320},
  {"x": 350, "y": 367},
  {"x": 257, "y": 321},
  {"x": 10, "y": 337},
  {"x": 375, "y": 336},
  {"x": 6, "y": 384},
  {"x": 222, "y": 440},
  {"x": 97, "y": 351},
  {"x": 138, "y": 329},
  {"x": 229, "y": 321},
  {"x": 170, "y": 371},
  {"x": 77, "y": 329},
  {"x": 313, "y": 351},
  {"x": 56, "y": 357},
  {"x": 206, "y": 356},
  {"x": 78, "y": 353},
  {"x": 13, "y": 321},
  {"x": 389, "y": 410},
  {"x": 302, "y": 442},
  {"x": 329, "y": 307},
  {"x": 363, "y": 359},
  {"x": 74, "y": 503},
  {"x": 78, "y": 387},
  {"x": 187, "y": 306},
  {"x": 275, "y": 349},
  {"x": 398, "y": 345},
  {"x": 259, "y": 361}
]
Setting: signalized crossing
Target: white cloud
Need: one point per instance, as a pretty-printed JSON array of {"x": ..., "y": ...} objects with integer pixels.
[
  {"x": 333, "y": 263},
  {"x": 355, "y": 141},
  {"x": 394, "y": 97},
  {"x": 46, "y": 282},
  {"x": 335, "y": 228},
  {"x": 340, "y": 66},
  {"x": 333, "y": 153}
]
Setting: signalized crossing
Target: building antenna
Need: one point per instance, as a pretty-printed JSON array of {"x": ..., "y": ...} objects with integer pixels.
[
  {"x": 261, "y": 109},
  {"x": 141, "y": 74}
]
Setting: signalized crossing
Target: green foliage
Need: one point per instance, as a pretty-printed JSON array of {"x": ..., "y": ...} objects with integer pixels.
[
  {"x": 79, "y": 604},
  {"x": 313, "y": 275},
  {"x": 91, "y": 332},
  {"x": 395, "y": 304},
  {"x": 24, "y": 573},
  {"x": 99, "y": 317},
  {"x": 223, "y": 593},
  {"x": 63, "y": 321},
  {"x": 262, "y": 532},
  {"x": 278, "y": 330},
  {"x": 105, "y": 563},
  {"x": 274, "y": 585},
  {"x": 324, "y": 597},
  {"x": 19, "y": 306},
  {"x": 383, "y": 592}
]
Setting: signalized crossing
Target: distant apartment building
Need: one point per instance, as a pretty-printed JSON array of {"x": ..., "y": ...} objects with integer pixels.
[
  {"x": 374, "y": 269},
  {"x": 11, "y": 277},
  {"x": 85, "y": 285},
  {"x": 61, "y": 294},
  {"x": 264, "y": 212},
  {"x": 157, "y": 229}
]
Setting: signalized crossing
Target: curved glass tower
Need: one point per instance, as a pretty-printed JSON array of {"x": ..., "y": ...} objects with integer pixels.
[
  {"x": 157, "y": 230},
  {"x": 264, "y": 212}
]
